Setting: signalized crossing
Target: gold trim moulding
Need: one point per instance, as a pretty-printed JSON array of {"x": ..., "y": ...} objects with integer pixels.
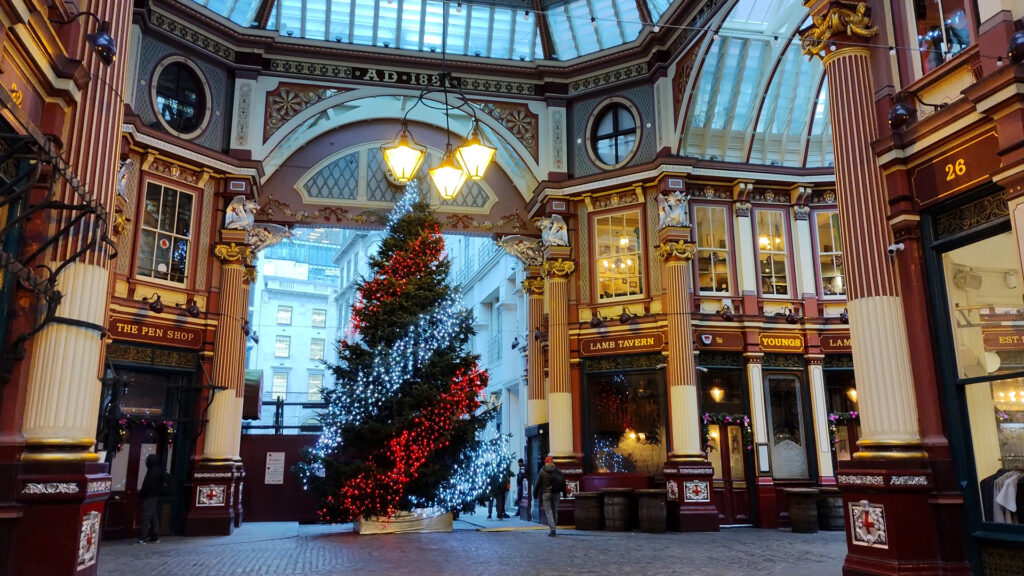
[
  {"x": 47, "y": 442},
  {"x": 699, "y": 457},
  {"x": 60, "y": 457},
  {"x": 889, "y": 449}
]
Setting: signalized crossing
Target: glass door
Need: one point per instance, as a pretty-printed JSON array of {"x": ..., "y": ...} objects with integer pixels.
[{"x": 728, "y": 439}]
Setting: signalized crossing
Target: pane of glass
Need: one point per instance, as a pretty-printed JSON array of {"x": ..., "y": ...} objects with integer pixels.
[
  {"x": 983, "y": 288},
  {"x": 163, "y": 256},
  {"x": 941, "y": 31},
  {"x": 736, "y": 450},
  {"x": 844, "y": 450},
  {"x": 151, "y": 211},
  {"x": 715, "y": 449},
  {"x": 168, "y": 208},
  {"x": 179, "y": 261},
  {"x": 996, "y": 414},
  {"x": 184, "y": 224},
  {"x": 341, "y": 16},
  {"x": 771, "y": 247},
  {"x": 625, "y": 422},
  {"x": 147, "y": 243},
  {"x": 785, "y": 420}
]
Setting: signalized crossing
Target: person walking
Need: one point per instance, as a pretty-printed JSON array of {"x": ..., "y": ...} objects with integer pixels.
[
  {"x": 152, "y": 486},
  {"x": 549, "y": 487}
]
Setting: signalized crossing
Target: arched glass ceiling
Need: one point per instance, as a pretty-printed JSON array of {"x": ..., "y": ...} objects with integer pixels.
[
  {"x": 486, "y": 29},
  {"x": 758, "y": 99}
]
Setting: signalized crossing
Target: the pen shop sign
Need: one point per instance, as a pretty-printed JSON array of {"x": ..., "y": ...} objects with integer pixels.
[
  {"x": 176, "y": 336},
  {"x": 628, "y": 344}
]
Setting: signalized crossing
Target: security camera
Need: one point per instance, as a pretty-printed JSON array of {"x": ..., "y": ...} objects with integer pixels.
[{"x": 894, "y": 248}]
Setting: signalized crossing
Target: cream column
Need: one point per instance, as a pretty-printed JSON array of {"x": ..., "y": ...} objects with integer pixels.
[
  {"x": 537, "y": 404},
  {"x": 755, "y": 384},
  {"x": 223, "y": 431},
  {"x": 63, "y": 390},
  {"x": 806, "y": 271},
  {"x": 560, "y": 427},
  {"x": 744, "y": 233},
  {"x": 676, "y": 252},
  {"x": 821, "y": 440}
]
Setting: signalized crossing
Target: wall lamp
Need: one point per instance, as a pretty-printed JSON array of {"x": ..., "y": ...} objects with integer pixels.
[
  {"x": 903, "y": 113},
  {"x": 844, "y": 316},
  {"x": 598, "y": 320},
  {"x": 791, "y": 317},
  {"x": 156, "y": 305},
  {"x": 191, "y": 307},
  {"x": 726, "y": 313},
  {"x": 103, "y": 44},
  {"x": 1016, "y": 48},
  {"x": 626, "y": 317},
  {"x": 539, "y": 334},
  {"x": 516, "y": 343}
]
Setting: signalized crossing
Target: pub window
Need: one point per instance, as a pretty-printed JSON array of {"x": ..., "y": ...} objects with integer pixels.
[
  {"x": 165, "y": 232},
  {"x": 316, "y": 385},
  {"x": 619, "y": 261},
  {"x": 316, "y": 349},
  {"x": 625, "y": 422},
  {"x": 942, "y": 31},
  {"x": 284, "y": 315},
  {"x": 787, "y": 441},
  {"x": 830, "y": 254},
  {"x": 280, "y": 386},
  {"x": 772, "y": 249},
  {"x": 319, "y": 318},
  {"x": 713, "y": 260},
  {"x": 282, "y": 347}
]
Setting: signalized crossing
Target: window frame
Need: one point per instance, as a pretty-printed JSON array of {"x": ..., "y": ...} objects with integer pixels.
[
  {"x": 319, "y": 395},
  {"x": 592, "y": 122},
  {"x": 274, "y": 392},
  {"x": 816, "y": 241},
  {"x": 787, "y": 236},
  {"x": 284, "y": 308},
  {"x": 204, "y": 86},
  {"x": 140, "y": 215},
  {"x": 915, "y": 56},
  {"x": 729, "y": 248},
  {"x": 313, "y": 318},
  {"x": 643, "y": 275},
  {"x": 287, "y": 340},
  {"x": 312, "y": 346}
]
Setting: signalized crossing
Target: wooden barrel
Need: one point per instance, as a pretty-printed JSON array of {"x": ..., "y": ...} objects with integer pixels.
[
  {"x": 830, "y": 510},
  {"x": 589, "y": 513},
  {"x": 803, "y": 509},
  {"x": 617, "y": 508},
  {"x": 652, "y": 504}
]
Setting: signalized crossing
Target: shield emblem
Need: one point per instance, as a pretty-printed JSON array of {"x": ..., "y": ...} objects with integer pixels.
[{"x": 705, "y": 339}]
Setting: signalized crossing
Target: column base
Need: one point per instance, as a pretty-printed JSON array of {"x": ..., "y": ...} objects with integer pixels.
[
  {"x": 689, "y": 482},
  {"x": 767, "y": 503},
  {"x": 891, "y": 525},
  {"x": 64, "y": 501},
  {"x": 215, "y": 499}
]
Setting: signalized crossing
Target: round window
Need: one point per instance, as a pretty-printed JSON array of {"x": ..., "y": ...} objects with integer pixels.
[
  {"x": 614, "y": 133},
  {"x": 181, "y": 98}
]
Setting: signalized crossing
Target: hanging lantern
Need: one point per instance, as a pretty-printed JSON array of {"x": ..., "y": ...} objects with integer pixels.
[
  {"x": 403, "y": 157},
  {"x": 474, "y": 156},
  {"x": 448, "y": 178}
]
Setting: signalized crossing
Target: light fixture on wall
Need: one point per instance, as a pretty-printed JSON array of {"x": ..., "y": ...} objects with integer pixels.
[
  {"x": 191, "y": 307},
  {"x": 597, "y": 320},
  {"x": 717, "y": 394},
  {"x": 726, "y": 312},
  {"x": 539, "y": 334},
  {"x": 103, "y": 44},
  {"x": 844, "y": 316},
  {"x": 156, "y": 305},
  {"x": 403, "y": 156},
  {"x": 246, "y": 328},
  {"x": 851, "y": 393},
  {"x": 626, "y": 317}
]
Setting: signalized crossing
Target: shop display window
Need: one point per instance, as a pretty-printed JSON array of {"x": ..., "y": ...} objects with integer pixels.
[
  {"x": 830, "y": 254},
  {"x": 843, "y": 412},
  {"x": 714, "y": 261},
  {"x": 164, "y": 235},
  {"x": 984, "y": 295},
  {"x": 942, "y": 31},
  {"x": 772, "y": 250},
  {"x": 619, "y": 262},
  {"x": 626, "y": 423}
]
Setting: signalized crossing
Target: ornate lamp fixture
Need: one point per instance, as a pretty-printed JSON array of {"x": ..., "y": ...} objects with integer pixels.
[
  {"x": 156, "y": 305},
  {"x": 403, "y": 156},
  {"x": 191, "y": 307},
  {"x": 103, "y": 44}
]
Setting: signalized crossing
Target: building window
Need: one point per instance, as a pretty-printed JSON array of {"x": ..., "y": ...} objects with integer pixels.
[
  {"x": 280, "y": 389},
  {"x": 619, "y": 262},
  {"x": 613, "y": 133},
  {"x": 284, "y": 315},
  {"x": 180, "y": 98},
  {"x": 165, "y": 231},
  {"x": 772, "y": 248},
  {"x": 830, "y": 254},
  {"x": 713, "y": 260},
  {"x": 316, "y": 386},
  {"x": 319, "y": 318},
  {"x": 786, "y": 424},
  {"x": 942, "y": 31},
  {"x": 624, "y": 422},
  {"x": 282, "y": 347},
  {"x": 316, "y": 349}
]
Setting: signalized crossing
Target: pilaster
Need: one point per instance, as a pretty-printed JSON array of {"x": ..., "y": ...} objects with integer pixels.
[
  {"x": 557, "y": 268},
  {"x": 537, "y": 407}
]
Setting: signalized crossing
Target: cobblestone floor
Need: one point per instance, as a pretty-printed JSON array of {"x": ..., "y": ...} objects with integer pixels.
[{"x": 478, "y": 547}]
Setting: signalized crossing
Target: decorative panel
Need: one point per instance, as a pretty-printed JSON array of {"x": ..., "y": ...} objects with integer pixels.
[
  {"x": 337, "y": 180},
  {"x": 378, "y": 188},
  {"x": 643, "y": 98},
  {"x": 517, "y": 119},
  {"x": 583, "y": 227},
  {"x": 652, "y": 244},
  {"x": 971, "y": 215},
  {"x": 287, "y": 101}
]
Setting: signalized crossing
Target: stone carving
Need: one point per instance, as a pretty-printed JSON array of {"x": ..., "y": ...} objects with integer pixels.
[
  {"x": 908, "y": 481},
  {"x": 553, "y": 231},
  {"x": 234, "y": 252},
  {"x": 240, "y": 214},
  {"x": 527, "y": 250},
  {"x": 696, "y": 491},
  {"x": 849, "y": 18},
  {"x": 867, "y": 523},
  {"x": 88, "y": 540},
  {"x": 801, "y": 212},
  {"x": 264, "y": 235},
  {"x": 50, "y": 488},
  {"x": 124, "y": 169},
  {"x": 559, "y": 267},
  {"x": 533, "y": 285},
  {"x": 672, "y": 210},
  {"x": 99, "y": 486},
  {"x": 288, "y": 100},
  {"x": 211, "y": 495},
  {"x": 860, "y": 480},
  {"x": 681, "y": 249},
  {"x": 517, "y": 119}
]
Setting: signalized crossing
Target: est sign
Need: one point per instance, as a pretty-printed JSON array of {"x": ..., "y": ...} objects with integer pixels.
[{"x": 959, "y": 169}]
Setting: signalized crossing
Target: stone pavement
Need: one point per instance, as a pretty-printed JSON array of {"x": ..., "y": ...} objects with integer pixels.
[{"x": 478, "y": 546}]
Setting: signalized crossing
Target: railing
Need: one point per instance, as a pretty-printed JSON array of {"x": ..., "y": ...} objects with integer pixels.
[{"x": 278, "y": 425}]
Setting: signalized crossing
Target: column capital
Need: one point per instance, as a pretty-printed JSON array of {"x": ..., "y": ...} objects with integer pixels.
[
  {"x": 743, "y": 209},
  {"x": 250, "y": 273},
  {"x": 533, "y": 286},
  {"x": 558, "y": 267},
  {"x": 678, "y": 250},
  {"x": 835, "y": 20},
  {"x": 232, "y": 253},
  {"x": 801, "y": 212}
]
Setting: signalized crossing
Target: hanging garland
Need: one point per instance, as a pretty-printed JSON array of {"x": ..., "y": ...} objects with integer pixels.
[
  {"x": 126, "y": 423},
  {"x": 835, "y": 419},
  {"x": 723, "y": 419}
]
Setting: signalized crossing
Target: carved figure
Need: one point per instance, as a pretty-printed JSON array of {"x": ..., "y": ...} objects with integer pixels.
[
  {"x": 850, "y": 18},
  {"x": 240, "y": 214},
  {"x": 266, "y": 235},
  {"x": 553, "y": 231},
  {"x": 123, "y": 170},
  {"x": 672, "y": 210},
  {"x": 528, "y": 250}
]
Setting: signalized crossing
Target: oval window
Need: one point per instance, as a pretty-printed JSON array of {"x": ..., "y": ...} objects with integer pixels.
[
  {"x": 614, "y": 134},
  {"x": 180, "y": 98}
]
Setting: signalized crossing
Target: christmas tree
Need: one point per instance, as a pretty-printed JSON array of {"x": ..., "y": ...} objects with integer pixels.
[{"x": 404, "y": 416}]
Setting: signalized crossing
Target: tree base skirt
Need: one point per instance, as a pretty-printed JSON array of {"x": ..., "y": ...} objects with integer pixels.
[{"x": 416, "y": 521}]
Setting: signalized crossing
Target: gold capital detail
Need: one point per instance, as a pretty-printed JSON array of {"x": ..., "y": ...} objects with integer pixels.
[
  {"x": 533, "y": 285},
  {"x": 250, "y": 273},
  {"x": 559, "y": 267},
  {"x": 234, "y": 253},
  {"x": 842, "y": 18},
  {"x": 682, "y": 250}
]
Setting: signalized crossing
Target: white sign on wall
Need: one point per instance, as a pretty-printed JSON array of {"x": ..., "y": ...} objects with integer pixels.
[{"x": 275, "y": 468}]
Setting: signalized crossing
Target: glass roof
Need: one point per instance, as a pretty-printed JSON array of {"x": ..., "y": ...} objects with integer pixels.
[{"x": 492, "y": 30}]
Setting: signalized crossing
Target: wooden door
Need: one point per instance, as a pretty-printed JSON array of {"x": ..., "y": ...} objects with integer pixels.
[
  {"x": 731, "y": 486},
  {"x": 127, "y": 469}
]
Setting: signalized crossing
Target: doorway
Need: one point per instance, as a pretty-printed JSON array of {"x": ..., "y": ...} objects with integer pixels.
[{"x": 728, "y": 441}]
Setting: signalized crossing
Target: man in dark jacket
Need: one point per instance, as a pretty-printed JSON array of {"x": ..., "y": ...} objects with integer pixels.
[
  {"x": 152, "y": 485},
  {"x": 549, "y": 487}
]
